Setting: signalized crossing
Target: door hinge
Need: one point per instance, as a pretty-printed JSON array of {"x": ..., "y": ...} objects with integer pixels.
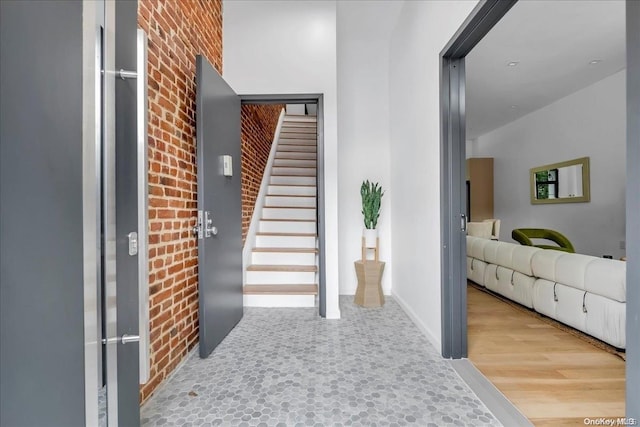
[{"x": 197, "y": 229}]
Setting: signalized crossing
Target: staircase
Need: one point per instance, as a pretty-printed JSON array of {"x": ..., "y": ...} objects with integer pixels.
[{"x": 284, "y": 261}]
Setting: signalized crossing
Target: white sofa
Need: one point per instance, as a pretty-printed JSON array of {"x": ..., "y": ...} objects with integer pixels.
[{"x": 584, "y": 292}]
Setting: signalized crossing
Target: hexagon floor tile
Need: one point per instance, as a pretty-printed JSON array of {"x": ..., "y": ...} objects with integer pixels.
[{"x": 288, "y": 367}]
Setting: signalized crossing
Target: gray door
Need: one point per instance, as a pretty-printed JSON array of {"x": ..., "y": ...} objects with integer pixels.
[
  {"x": 125, "y": 378},
  {"x": 42, "y": 348},
  {"x": 219, "y": 207},
  {"x": 64, "y": 129}
]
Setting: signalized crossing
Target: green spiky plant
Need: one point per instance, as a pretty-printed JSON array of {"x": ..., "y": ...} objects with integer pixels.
[{"x": 371, "y": 197}]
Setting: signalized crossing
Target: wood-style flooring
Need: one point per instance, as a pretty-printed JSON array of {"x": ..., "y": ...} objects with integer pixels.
[{"x": 551, "y": 376}]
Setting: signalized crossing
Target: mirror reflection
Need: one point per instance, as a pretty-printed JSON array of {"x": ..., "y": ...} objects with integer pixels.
[{"x": 563, "y": 182}]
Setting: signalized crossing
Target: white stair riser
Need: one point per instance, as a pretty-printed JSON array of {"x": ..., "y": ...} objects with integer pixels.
[
  {"x": 309, "y": 202},
  {"x": 283, "y": 258},
  {"x": 284, "y": 213},
  {"x": 299, "y": 129},
  {"x": 294, "y": 180},
  {"x": 295, "y": 149},
  {"x": 280, "y": 278},
  {"x": 298, "y": 191},
  {"x": 280, "y": 170},
  {"x": 298, "y": 135},
  {"x": 298, "y": 125},
  {"x": 293, "y": 155},
  {"x": 287, "y": 227},
  {"x": 279, "y": 300},
  {"x": 294, "y": 162},
  {"x": 296, "y": 141},
  {"x": 286, "y": 241},
  {"x": 297, "y": 138}
]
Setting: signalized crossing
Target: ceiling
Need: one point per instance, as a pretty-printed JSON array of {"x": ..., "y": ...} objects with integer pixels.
[{"x": 553, "y": 43}]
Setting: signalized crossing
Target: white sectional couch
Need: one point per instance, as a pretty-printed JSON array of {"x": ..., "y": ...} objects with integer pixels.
[{"x": 584, "y": 292}]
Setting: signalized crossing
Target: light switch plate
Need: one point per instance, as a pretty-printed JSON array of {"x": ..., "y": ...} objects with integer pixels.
[{"x": 227, "y": 165}]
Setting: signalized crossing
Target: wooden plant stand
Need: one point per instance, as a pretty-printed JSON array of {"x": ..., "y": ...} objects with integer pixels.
[{"x": 369, "y": 273}]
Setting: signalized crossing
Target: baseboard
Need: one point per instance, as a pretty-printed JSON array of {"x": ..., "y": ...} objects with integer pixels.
[
  {"x": 333, "y": 315},
  {"x": 416, "y": 320}
]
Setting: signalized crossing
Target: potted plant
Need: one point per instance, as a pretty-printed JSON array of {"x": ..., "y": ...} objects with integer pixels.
[{"x": 371, "y": 197}]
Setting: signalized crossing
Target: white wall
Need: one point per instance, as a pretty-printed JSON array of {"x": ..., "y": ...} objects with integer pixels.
[
  {"x": 279, "y": 47},
  {"x": 363, "y": 131},
  {"x": 590, "y": 122},
  {"x": 421, "y": 33}
]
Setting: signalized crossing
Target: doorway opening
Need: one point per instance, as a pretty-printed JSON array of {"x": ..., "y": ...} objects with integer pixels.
[
  {"x": 454, "y": 107},
  {"x": 298, "y": 167}
]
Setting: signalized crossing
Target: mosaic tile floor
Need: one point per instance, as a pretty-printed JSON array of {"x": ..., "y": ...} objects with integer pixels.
[{"x": 288, "y": 367}]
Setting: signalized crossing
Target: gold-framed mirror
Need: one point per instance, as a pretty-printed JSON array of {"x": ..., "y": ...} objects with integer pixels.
[{"x": 564, "y": 182}]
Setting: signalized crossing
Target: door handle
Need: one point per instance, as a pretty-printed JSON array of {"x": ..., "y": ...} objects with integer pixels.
[
  {"x": 124, "y": 339},
  {"x": 209, "y": 228}
]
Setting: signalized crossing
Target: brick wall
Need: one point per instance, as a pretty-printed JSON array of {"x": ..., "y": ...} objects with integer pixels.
[
  {"x": 259, "y": 123},
  {"x": 177, "y": 31}
]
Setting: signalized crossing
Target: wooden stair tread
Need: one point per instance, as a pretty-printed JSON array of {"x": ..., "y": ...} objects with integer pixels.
[
  {"x": 280, "y": 290},
  {"x": 294, "y": 185},
  {"x": 266, "y": 233},
  {"x": 284, "y": 133},
  {"x": 292, "y": 118},
  {"x": 289, "y": 175},
  {"x": 287, "y": 220},
  {"x": 288, "y": 250},
  {"x": 294, "y": 167},
  {"x": 289, "y": 207},
  {"x": 283, "y": 268},
  {"x": 289, "y": 195}
]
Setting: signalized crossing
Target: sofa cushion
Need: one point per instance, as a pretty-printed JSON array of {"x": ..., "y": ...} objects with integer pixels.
[
  {"x": 491, "y": 251},
  {"x": 543, "y": 263},
  {"x": 505, "y": 254},
  {"x": 477, "y": 248},
  {"x": 484, "y": 230},
  {"x": 608, "y": 278},
  {"x": 521, "y": 260},
  {"x": 606, "y": 319},
  {"x": 476, "y": 271},
  {"x": 571, "y": 269}
]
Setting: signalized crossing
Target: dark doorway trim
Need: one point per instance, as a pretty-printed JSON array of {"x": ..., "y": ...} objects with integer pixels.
[
  {"x": 633, "y": 210},
  {"x": 308, "y": 98},
  {"x": 452, "y": 179}
]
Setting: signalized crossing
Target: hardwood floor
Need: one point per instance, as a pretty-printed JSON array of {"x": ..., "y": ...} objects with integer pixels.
[{"x": 553, "y": 377}]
